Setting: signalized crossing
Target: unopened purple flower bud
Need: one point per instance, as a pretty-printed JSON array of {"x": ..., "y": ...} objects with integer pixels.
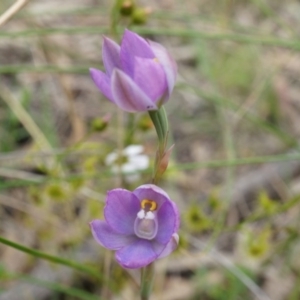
[{"x": 139, "y": 75}]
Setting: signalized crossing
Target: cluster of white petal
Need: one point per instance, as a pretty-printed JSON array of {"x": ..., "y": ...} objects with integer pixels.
[{"x": 134, "y": 161}]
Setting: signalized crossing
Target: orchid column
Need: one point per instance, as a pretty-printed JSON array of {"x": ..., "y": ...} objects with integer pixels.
[{"x": 141, "y": 225}]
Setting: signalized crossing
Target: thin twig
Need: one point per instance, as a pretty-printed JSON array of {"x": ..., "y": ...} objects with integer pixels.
[
  {"x": 20, "y": 174},
  {"x": 8, "y": 14},
  {"x": 35, "y": 212},
  {"x": 24, "y": 117}
]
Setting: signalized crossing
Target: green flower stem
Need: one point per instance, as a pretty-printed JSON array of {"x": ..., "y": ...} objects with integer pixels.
[
  {"x": 157, "y": 120},
  {"x": 147, "y": 276},
  {"x": 51, "y": 258},
  {"x": 162, "y": 115},
  {"x": 115, "y": 16},
  {"x": 130, "y": 127},
  {"x": 160, "y": 122}
]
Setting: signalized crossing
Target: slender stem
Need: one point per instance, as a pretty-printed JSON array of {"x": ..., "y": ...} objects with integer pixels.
[
  {"x": 115, "y": 17},
  {"x": 154, "y": 115},
  {"x": 160, "y": 122},
  {"x": 52, "y": 258},
  {"x": 162, "y": 115},
  {"x": 12, "y": 11},
  {"x": 147, "y": 276},
  {"x": 25, "y": 118},
  {"x": 130, "y": 126}
]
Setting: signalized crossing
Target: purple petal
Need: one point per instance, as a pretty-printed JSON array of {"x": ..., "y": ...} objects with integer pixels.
[
  {"x": 133, "y": 45},
  {"x": 121, "y": 210},
  {"x": 166, "y": 217},
  {"x": 136, "y": 255},
  {"x": 171, "y": 246},
  {"x": 151, "y": 192},
  {"x": 102, "y": 82},
  {"x": 127, "y": 95},
  {"x": 107, "y": 237},
  {"x": 167, "y": 62},
  {"x": 150, "y": 77},
  {"x": 177, "y": 214},
  {"x": 110, "y": 55}
]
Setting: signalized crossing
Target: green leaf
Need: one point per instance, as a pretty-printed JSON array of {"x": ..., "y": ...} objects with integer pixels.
[{"x": 54, "y": 259}]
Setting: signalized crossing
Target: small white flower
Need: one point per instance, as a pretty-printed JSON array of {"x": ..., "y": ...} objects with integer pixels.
[{"x": 134, "y": 161}]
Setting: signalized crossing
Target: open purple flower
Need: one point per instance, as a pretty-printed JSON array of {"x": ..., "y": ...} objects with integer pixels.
[
  {"x": 141, "y": 225},
  {"x": 140, "y": 74}
]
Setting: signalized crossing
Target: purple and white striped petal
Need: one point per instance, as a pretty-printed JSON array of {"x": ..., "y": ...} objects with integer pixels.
[
  {"x": 107, "y": 237},
  {"x": 127, "y": 95},
  {"x": 136, "y": 255},
  {"x": 150, "y": 77},
  {"x": 121, "y": 210},
  {"x": 140, "y": 74},
  {"x": 110, "y": 55},
  {"x": 102, "y": 82},
  {"x": 133, "y": 46},
  {"x": 167, "y": 62}
]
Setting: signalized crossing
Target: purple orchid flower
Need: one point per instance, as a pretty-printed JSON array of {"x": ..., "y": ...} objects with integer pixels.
[
  {"x": 140, "y": 74},
  {"x": 141, "y": 225}
]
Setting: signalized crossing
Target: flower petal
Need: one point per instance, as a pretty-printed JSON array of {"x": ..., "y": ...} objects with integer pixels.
[
  {"x": 102, "y": 82},
  {"x": 111, "y": 158},
  {"x": 149, "y": 75},
  {"x": 166, "y": 217},
  {"x": 136, "y": 255},
  {"x": 121, "y": 210},
  {"x": 107, "y": 237},
  {"x": 110, "y": 55},
  {"x": 139, "y": 162},
  {"x": 167, "y": 62},
  {"x": 151, "y": 192},
  {"x": 177, "y": 220},
  {"x": 127, "y": 95},
  {"x": 133, "y": 45},
  {"x": 171, "y": 246},
  {"x": 133, "y": 150}
]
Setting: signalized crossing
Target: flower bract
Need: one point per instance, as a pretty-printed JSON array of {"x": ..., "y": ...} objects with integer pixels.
[
  {"x": 141, "y": 225},
  {"x": 139, "y": 75}
]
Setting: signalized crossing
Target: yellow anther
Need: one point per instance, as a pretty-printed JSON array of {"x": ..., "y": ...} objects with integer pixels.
[
  {"x": 148, "y": 205},
  {"x": 156, "y": 59}
]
